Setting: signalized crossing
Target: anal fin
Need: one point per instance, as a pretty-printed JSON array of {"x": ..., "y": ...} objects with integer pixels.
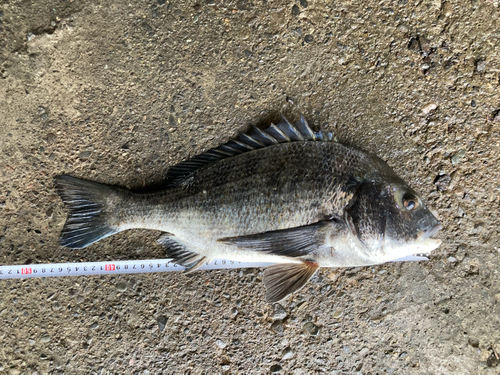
[
  {"x": 283, "y": 279},
  {"x": 180, "y": 254}
]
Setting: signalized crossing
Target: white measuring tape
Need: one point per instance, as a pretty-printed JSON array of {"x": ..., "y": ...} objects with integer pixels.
[{"x": 26, "y": 271}]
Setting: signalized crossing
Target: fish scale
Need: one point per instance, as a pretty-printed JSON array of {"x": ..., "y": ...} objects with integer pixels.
[
  {"x": 285, "y": 195},
  {"x": 242, "y": 187}
]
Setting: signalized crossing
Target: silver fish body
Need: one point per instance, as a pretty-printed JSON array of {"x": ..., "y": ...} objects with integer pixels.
[{"x": 283, "y": 195}]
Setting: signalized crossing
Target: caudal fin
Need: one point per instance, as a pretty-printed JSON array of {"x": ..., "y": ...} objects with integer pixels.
[{"x": 87, "y": 221}]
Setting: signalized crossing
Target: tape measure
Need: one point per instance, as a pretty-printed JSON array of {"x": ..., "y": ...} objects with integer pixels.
[{"x": 26, "y": 271}]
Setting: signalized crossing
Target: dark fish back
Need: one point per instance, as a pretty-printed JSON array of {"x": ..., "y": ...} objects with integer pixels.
[{"x": 277, "y": 187}]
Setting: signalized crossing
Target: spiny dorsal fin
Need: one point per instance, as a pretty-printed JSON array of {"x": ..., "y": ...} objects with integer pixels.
[
  {"x": 283, "y": 279},
  {"x": 257, "y": 138}
]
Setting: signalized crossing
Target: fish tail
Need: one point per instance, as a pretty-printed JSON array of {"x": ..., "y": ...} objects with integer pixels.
[{"x": 88, "y": 203}]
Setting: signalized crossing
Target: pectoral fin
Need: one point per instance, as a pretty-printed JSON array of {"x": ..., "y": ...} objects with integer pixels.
[
  {"x": 293, "y": 242},
  {"x": 283, "y": 279},
  {"x": 180, "y": 254}
]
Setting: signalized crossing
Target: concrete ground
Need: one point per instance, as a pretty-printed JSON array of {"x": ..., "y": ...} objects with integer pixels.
[{"x": 117, "y": 92}]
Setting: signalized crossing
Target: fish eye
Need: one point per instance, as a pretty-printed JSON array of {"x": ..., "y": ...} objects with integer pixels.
[{"x": 410, "y": 202}]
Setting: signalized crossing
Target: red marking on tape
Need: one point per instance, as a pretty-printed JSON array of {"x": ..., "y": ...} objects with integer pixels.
[
  {"x": 109, "y": 267},
  {"x": 26, "y": 271}
]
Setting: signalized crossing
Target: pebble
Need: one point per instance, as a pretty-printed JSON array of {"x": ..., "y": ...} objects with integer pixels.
[
  {"x": 447, "y": 9},
  {"x": 364, "y": 352},
  {"x": 295, "y": 10},
  {"x": 311, "y": 328},
  {"x": 277, "y": 326},
  {"x": 442, "y": 182},
  {"x": 337, "y": 314},
  {"x": 455, "y": 159},
  {"x": 473, "y": 342},
  {"x": 308, "y": 38},
  {"x": 121, "y": 287},
  {"x": 287, "y": 353},
  {"x": 414, "y": 45},
  {"x": 85, "y": 154},
  {"x": 220, "y": 344},
  {"x": 304, "y": 3},
  {"x": 275, "y": 369},
  {"x": 481, "y": 66},
  {"x": 425, "y": 44},
  {"x": 51, "y": 138},
  {"x": 45, "y": 338},
  {"x": 162, "y": 322},
  {"x": 244, "y": 5},
  {"x": 403, "y": 27},
  {"x": 279, "y": 312},
  {"x": 478, "y": 227},
  {"x": 428, "y": 108},
  {"x": 297, "y": 31},
  {"x": 452, "y": 259}
]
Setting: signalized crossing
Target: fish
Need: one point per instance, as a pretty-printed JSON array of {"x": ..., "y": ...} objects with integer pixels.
[{"x": 285, "y": 195}]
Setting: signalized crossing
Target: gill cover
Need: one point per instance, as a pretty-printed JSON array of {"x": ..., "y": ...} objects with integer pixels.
[{"x": 366, "y": 216}]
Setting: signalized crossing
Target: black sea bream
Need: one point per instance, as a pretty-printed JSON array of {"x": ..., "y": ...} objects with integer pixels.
[{"x": 285, "y": 195}]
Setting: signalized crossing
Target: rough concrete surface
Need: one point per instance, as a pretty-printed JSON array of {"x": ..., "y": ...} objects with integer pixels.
[{"x": 117, "y": 92}]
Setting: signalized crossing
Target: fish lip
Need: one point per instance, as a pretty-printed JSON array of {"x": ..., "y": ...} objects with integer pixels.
[
  {"x": 432, "y": 231},
  {"x": 426, "y": 234}
]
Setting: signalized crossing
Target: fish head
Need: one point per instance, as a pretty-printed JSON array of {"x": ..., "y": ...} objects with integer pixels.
[{"x": 391, "y": 221}]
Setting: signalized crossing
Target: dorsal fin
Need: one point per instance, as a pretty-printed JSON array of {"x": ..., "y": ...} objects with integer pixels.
[{"x": 256, "y": 138}]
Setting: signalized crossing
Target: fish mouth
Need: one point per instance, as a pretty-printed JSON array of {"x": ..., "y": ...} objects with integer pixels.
[
  {"x": 424, "y": 237},
  {"x": 432, "y": 231}
]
